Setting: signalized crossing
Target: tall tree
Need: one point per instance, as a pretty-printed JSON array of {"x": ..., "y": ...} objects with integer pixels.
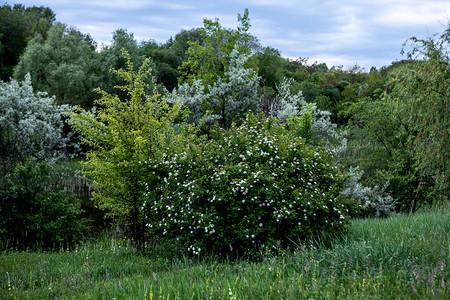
[
  {"x": 210, "y": 59},
  {"x": 181, "y": 42},
  {"x": 421, "y": 92},
  {"x": 166, "y": 63},
  {"x": 61, "y": 64},
  {"x": 17, "y": 26},
  {"x": 111, "y": 57}
]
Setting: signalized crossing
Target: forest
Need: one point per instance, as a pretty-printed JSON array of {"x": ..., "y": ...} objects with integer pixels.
[{"x": 211, "y": 150}]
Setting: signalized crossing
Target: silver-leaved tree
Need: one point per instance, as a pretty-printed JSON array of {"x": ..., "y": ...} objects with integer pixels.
[{"x": 31, "y": 124}]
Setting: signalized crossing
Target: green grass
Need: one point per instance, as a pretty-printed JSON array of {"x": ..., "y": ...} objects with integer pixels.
[{"x": 401, "y": 257}]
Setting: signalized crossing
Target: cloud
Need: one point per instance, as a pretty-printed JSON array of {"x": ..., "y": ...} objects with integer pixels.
[
  {"x": 413, "y": 13},
  {"x": 341, "y": 32},
  {"x": 277, "y": 3}
]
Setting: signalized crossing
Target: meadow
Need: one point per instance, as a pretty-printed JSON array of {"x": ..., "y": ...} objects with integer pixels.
[{"x": 400, "y": 257}]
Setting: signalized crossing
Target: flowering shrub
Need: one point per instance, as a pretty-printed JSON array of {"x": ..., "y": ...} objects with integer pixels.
[{"x": 249, "y": 186}]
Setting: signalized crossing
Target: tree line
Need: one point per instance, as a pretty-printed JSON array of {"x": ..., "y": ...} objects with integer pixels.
[{"x": 191, "y": 99}]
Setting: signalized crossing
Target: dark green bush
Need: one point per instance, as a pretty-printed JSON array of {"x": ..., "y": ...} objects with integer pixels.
[
  {"x": 35, "y": 212},
  {"x": 248, "y": 187}
]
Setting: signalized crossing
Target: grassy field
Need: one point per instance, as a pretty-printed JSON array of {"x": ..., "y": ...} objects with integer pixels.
[{"x": 403, "y": 257}]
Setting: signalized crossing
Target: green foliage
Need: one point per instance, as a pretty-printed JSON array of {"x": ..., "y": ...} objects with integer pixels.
[
  {"x": 61, "y": 64},
  {"x": 374, "y": 85},
  {"x": 311, "y": 91},
  {"x": 17, "y": 26},
  {"x": 209, "y": 59},
  {"x": 35, "y": 212},
  {"x": 121, "y": 134},
  {"x": 401, "y": 137},
  {"x": 404, "y": 257},
  {"x": 111, "y": 58},
  {"x": 228, "y": 100},
  {"x": 181, "y": 42},
  {"x": 302, "y": 124},
  {"x": 379, "y": 145},
  {"x": 270, "y": 67},
  {"x": 166, "y": 63},
  {"x": 247, "y": 188},
  {"x": 421, "y": 93}
]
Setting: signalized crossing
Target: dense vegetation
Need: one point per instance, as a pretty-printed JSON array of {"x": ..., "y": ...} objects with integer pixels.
[
  {"x": 213, "y": 145},
  {"x": 402, "y": 257}
]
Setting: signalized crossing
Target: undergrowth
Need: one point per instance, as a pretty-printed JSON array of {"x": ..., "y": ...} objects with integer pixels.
[{"x": 400, "y": 257}]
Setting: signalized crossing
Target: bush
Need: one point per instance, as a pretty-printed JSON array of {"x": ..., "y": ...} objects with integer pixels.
[
  {"x": 35, "y": 211},
  {"x": 375, "y": 201},
  {"x": 252, "y": 186},
  {"x": 31, "y": 125}
]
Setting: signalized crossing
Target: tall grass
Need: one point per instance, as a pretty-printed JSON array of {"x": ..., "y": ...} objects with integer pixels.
[{"x": 401, "y": 257}]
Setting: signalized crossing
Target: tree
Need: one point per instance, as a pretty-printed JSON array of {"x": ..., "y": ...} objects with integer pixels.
[
  {"x": 270, "y": 67},
  {"x": 31, "y": 124},
  {"x": 124, "y": 133},
  {"x": 211, "y": 58},
  {"x": 61, "y": 65},
  {"x": 17, "y": 26},
  {"x": 166, "y": 63},
  {"x": 421, "y": 93},
  {"x": 181, "y": 42},
  {"x": 379, "y": 146},
  {"x": 110, "y": 57},
  {"x": 35, "y": 211},
  {"x": 227, "y": 100}
]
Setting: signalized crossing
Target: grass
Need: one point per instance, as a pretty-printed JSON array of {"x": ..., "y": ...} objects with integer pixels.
[{"x": 402, "y": 257}]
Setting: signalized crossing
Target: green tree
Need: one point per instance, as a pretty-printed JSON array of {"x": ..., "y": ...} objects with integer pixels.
[
  {"x": 311, "y": 91},
  {"x": 17, "y": 26},
  {"x": 270, "y": 67},
  {"x": 210, "y": 59},
  {"x": 110, "y": 57},
  {"x": 379, "y": 146},
  {"x": 181, "y": 42},
  {"x": 421, "y": 93},
  {"x": 166, "y": 63},
  {"x": 375, "y": 84},
  {"x": 61, "y": 64},
  {"x": 35, "y": 211},
  {"x": 124, "y": 133}
]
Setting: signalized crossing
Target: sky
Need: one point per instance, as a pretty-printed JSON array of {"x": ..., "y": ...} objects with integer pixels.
[{"x": 369, "y": 33}]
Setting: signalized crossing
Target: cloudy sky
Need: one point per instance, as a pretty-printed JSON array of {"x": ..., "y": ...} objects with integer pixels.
[{"x": 337, "y": 32}]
